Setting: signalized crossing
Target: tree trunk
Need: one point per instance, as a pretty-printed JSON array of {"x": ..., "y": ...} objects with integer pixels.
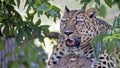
[{"x": 8, "y": 53}]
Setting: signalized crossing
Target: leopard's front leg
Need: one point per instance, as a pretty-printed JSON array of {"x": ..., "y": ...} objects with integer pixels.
[
  {"x": 105, "y": 61},
  {"x": 59, "y": 52}
]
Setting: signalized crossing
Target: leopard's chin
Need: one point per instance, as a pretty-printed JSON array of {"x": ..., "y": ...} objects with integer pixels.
[{"x": 73, "y": 43}]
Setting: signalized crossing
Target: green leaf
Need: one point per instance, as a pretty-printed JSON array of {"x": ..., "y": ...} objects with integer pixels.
[
  {"x": 41, "y": 39},
  {"x": 52, "y": 13},
  {"x": 44, "y": 29},
  {"x": 43, "y": 7},
  {"x": 118, "y": 4},
  {"x": 39, "y": 13},
  {"x": 99, "y": 37},
  {"x": 54, "y": 19},
  {"x": 30, "y": 16},
  {"x": 19, "y": 37},
  {"x": 118, "y": 19},
  {"x": 43, "y": 1},
  {"x": 12, "y": 2},
  {"x": 109, "y": 3},
  {"x": 18, "y": 3},
  {"x": 26, "y": 32},
  {"x": 97, "y": 1},
  {"x": 85, "y": 4},
  {"x": 47, "y": 14},
  {"x": 110, "y": 45},
  {"x": 116, "y": 22},
  {"x": 96, "y": 51},
  {"x": 82, "y": 1},
  {"x": 117, "y": 43},
  {"x": 6, "y": 31},
  {"x": 29, "y": 1},
  {"x": 116, "y": 36},
  {"x": 7, "y": 1},
  {"x": 117, "y": 30},
  {"x": 102, "y": 46},
  {"x": 52, "y": 7},
  {"x": 87, "y": 1},
  {"x": 102, "y": 12},
  {"x": 38, "y": 22}
]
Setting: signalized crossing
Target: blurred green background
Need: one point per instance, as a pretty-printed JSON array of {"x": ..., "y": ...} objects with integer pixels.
[{"x": 26, "y": 27}]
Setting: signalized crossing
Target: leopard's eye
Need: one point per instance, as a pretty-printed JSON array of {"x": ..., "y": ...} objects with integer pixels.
[
  {"x": 63, "y": 21},
  {"x": 63, "y": 24},
  {"x": 79, "y": 21}
]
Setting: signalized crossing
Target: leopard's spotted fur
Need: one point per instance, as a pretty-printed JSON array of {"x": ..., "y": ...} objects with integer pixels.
[{"x": 78, "y": 28}]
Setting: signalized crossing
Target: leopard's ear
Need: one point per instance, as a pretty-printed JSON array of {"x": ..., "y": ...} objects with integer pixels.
[
  {"x": 91, "y": 12},
  {"x": 66, "y": 9}
]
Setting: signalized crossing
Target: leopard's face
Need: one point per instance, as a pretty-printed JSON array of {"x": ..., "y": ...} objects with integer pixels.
[{"x": 77, "y": 27}]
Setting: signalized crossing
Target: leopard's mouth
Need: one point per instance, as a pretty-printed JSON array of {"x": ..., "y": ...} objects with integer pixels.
[
  {"x": 70, "y": 42},
  {"x": 73, "y": 43}
]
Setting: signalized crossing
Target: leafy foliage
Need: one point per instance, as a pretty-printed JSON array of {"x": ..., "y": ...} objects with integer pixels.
[
  {"x": 109, "y": 2},
  {"x": 100, "y": 5},
  {"x": 29, "y": 56},
  {"x": 25, "y": 30},
  {"x": 13, "y": 25},
  {"x": 108, "y": 40}
]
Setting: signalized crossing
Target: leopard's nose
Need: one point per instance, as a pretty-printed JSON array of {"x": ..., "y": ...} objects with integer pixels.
[{"x": 68, "y": 32}]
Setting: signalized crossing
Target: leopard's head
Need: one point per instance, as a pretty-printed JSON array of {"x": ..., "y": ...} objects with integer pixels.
[{"x": 79, "y": 27}]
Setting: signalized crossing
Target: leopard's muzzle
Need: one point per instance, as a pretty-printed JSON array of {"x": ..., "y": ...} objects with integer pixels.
[{"x": 73, "y": 43}]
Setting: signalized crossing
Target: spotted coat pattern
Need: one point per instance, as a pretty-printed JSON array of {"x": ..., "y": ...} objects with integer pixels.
[{"x": 78, "y": 28}]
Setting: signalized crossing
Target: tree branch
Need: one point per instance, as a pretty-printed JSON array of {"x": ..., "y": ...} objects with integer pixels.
[{"x": 54, "y": 35}]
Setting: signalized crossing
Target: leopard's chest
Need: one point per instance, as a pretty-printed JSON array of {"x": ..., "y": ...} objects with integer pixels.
[{"x": 76, "y": 51}]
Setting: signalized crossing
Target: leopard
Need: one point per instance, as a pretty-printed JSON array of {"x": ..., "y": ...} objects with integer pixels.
[{"x": 78, "y": 28}]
